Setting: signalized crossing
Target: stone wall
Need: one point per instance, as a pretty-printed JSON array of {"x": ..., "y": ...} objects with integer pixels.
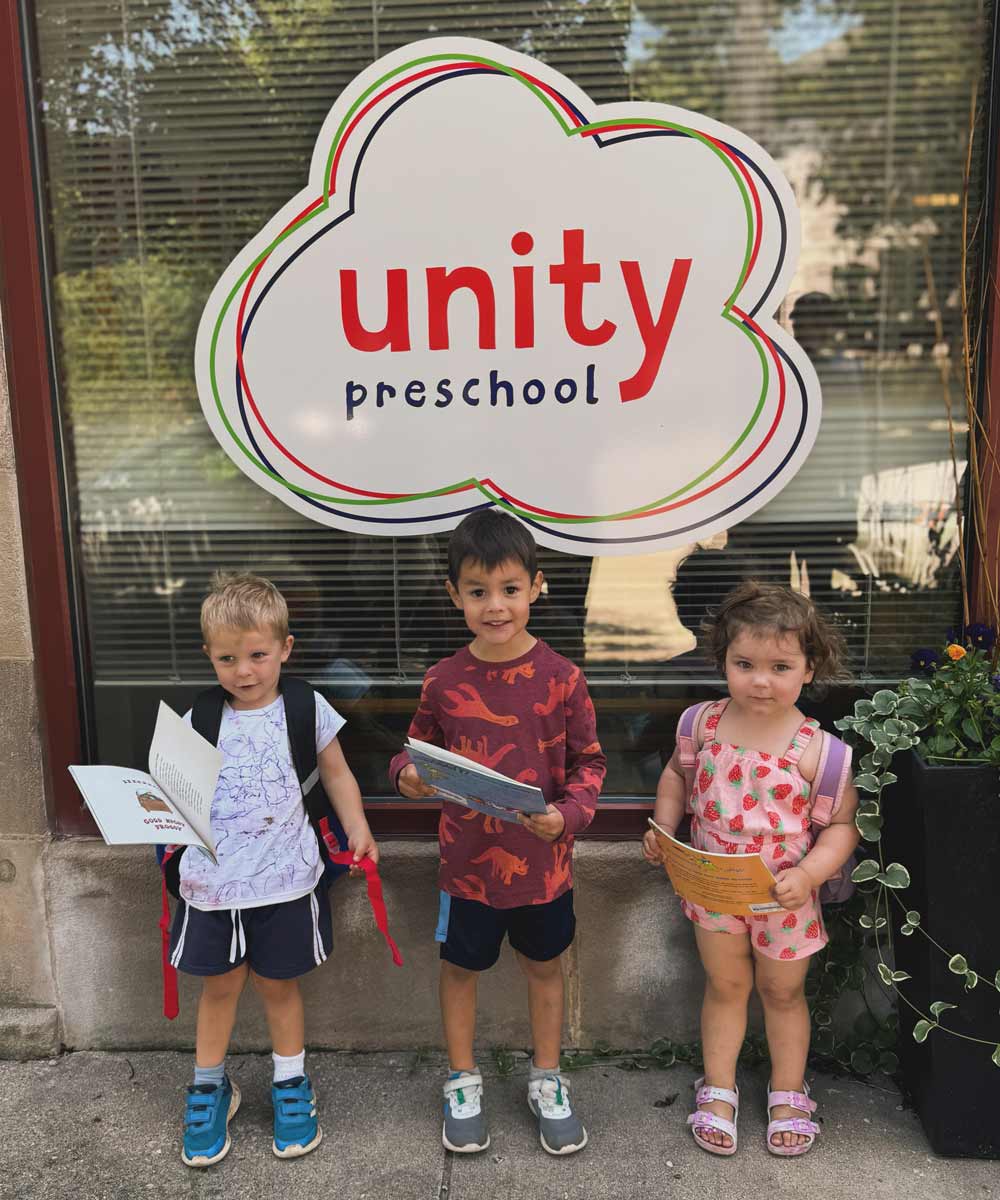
[{"x": 28, "y": 996}]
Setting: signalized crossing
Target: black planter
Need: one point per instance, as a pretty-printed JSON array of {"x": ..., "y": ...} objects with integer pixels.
[{"x": 943, "y": 824}]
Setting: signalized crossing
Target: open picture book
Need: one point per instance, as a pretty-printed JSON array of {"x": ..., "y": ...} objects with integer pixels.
[
  {"x": 172, "y": 804},
  {"x": 465, "y": 782}
]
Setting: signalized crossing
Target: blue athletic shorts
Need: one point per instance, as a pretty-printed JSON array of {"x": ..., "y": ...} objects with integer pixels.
[
  {"x": 278, "y": 941},
  {"x": 471, "y": 933}
]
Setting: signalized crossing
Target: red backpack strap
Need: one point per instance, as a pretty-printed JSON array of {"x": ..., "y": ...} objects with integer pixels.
[
  {"x": 345, "y": 858},
  {"x": 832, "y": 776}
]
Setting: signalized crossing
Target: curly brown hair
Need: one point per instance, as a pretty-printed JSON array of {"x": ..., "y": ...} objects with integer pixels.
[{"x": 769, "y": 608}]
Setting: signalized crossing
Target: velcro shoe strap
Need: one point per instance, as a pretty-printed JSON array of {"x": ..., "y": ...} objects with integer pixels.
[
  {"x": 793, "y": 1125},
  {"x": 706, "y": 1094},
  {"x": 471, "y": 1079},
  {"x": 797, "y": 1100},
  {"x": 711, "y": 1120}
]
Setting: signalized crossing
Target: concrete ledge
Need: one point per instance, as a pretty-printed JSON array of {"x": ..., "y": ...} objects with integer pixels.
[
  {"x": 632, "y": 974},
  {"x": 29, "y": 1032}
]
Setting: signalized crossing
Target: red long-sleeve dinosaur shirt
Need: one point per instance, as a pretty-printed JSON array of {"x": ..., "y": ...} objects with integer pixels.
[{"x": 532, "y": 719}]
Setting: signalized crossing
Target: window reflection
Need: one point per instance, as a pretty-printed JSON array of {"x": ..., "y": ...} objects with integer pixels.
[{"x": 172, "y": 127}]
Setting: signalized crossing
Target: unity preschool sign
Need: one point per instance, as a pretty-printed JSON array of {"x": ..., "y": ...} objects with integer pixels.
[{"x": 493, "y": 291}]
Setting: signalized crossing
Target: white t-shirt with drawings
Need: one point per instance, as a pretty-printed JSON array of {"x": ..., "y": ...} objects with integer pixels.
[{"x": 267, "y": 850}]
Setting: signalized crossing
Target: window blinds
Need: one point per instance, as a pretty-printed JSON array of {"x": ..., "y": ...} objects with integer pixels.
[{"x": 173, "y": 128}]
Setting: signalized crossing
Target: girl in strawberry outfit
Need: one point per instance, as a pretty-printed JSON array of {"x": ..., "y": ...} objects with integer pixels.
[{"x": 746, "y": 777}]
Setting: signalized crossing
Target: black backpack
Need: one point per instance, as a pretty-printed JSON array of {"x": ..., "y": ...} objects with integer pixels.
[{"x": 300, "y": 721}]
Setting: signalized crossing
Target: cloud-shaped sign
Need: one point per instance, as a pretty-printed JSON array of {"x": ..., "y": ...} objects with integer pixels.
[{"x": 493, "y": 291}]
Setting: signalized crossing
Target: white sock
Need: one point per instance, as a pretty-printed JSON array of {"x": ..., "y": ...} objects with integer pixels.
[{"x": 290, "y": 1067}]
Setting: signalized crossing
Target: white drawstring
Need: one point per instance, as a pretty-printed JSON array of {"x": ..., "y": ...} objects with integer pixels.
[
  {"x": 318, "y": 953},
  {"x": 239, "y": 938},
  {"x": 175, "y": 958}
]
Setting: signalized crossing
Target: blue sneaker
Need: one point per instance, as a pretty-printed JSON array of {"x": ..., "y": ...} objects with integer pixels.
[
  {"x": 296, "y": 1129},
  {"x": 206, "y": 1122}
]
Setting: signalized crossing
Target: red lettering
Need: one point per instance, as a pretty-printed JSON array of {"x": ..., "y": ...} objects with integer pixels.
[
  {"x": 524, "y": 293},
  {"x": 441, "y": 286},
  {"x": 573, "y": 273},
  {"x": 655, "y": 335},
  {"x": 395, "y": 333}
]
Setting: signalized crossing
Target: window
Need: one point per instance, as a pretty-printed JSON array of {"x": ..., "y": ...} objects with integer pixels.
[{"x": 172, "y": 128}]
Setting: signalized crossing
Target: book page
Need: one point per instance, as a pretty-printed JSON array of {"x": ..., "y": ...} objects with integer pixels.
[
  {"x": 129, "y": 807},
  {"x": 463, "y": 781},
  {"x": 187, "y": 767},
  {"x": 739, "y": 884}
]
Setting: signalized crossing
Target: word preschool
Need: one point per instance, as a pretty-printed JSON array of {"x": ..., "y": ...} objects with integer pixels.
[{"x": 572, "y": 274}]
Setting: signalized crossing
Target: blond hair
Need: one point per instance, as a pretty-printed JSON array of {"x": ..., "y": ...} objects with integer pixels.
[
  {"x": 769, "y": 608},
  {"x": 242, "y": 600}
]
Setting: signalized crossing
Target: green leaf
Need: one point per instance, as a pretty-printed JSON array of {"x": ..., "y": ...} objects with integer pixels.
[
  {"x": 906, "y": 929},
  {"x": 869, "y": 826},
  {"x": 996, "y": 981},
  {"x": 914, "y": 919},
  {"x": 888, "y": 777},
  {"x": 863, "y": 1061},
  {"x": 865, "y": 870},
  {"x": 941, "y": 743},
  {"x": 996, "y": 1056},
  {"x": 971, "y": 979},
  {"x": 866, "y": 922},
  {"x": 884, "y": 974},
  {"x": 957, "y": 964},
  {"x": 880, "y": 922},
  {"x": 922, "y": 1029},
  {"x": 888, "y": 1062},
  {"x": 894, "y": 876},
  {"x": 894, "y": 728},
  {"x": 900, "y": 976},
  {"x": 884, "y": 702},
  {"x": 863, "y": 708},
  {"x": 866, "y": 782},
  {"x": 972, "y": 731},
  {"x": 940, "y": 1006}
]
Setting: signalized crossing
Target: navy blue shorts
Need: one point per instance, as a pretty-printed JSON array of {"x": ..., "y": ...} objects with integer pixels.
[
  {"x": 471, "y": 933},
  {"x": 278, "y": 941}
]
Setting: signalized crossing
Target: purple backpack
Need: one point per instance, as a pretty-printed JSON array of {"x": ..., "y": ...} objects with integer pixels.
[{"x": 832, "y": 775}]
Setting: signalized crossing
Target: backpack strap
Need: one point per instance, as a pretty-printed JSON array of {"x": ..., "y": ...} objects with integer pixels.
[
  {"x": 300, "y": 721},
  {"x": 832, "y": 776},
  {"x": 802, "y": 740},
  {"x": 688, "y": 744}
]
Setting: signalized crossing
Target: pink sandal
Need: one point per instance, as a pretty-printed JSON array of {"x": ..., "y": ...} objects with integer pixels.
[
  {"x": 700, "y": 1119},
  {"x": 802, "y": 1125}
]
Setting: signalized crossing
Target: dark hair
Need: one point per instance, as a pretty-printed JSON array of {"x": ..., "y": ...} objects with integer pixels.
[
  {"x": 772, "y": 608},
  {"x": 490, "y": 537}
]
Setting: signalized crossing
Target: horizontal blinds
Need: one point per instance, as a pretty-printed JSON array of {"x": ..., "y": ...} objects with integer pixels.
[{"x": 174, "y": 128}]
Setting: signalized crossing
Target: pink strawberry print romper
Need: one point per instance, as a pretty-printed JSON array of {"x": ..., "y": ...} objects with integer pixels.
[{"x": 744, "y": 802}]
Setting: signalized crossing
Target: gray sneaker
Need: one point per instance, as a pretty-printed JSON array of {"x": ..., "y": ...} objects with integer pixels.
[
  {"x": 464, "y": 1129},
  {"x": 559, "y": 1128}
]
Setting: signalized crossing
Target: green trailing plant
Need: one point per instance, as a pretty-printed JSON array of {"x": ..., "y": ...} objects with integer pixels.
[{"x": 950, "y": 716}]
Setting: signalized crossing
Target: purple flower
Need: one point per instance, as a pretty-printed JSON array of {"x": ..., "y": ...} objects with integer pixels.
[
  {"x": 980, "y": 636},
  {"x": 924, "y": 659}
]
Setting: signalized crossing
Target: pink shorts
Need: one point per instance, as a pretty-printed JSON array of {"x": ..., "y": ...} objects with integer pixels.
[{"x": 785, "y": 935}]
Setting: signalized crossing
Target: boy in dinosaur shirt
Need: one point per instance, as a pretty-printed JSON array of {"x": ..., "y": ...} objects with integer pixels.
[{"x": 510, "y": 702}]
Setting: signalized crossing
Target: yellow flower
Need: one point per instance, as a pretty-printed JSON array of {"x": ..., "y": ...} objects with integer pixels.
[{"x": 955, "y": 652}]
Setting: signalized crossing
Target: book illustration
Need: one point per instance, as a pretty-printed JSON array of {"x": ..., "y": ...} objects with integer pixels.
[
  {"x": 151, "y": 802},
  {"x": 738, "y": 884},
  {"x": 465, "y": 782},
  {"x": 171, "y": 804}
]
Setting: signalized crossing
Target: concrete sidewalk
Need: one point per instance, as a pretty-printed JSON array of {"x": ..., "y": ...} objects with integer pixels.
[{"x": 102, "y": 1126}]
